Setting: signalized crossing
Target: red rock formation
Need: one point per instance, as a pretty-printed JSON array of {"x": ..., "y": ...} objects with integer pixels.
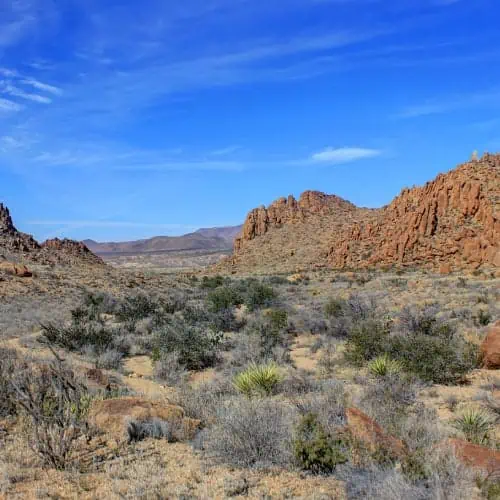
[
  {"x": 451, "y": 223},
  {"x": 21, "y": 246},
  {"x": 476, "y": 456},
  {"x": 366, "y": 430},
  {"x": 490, "y": 348}
]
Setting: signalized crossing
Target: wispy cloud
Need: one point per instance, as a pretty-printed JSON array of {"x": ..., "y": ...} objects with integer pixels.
[
  {"x": 344, "y": 155},
  {"x": 225, "y": 151},
  {"x": 7, "y": 105},
  {"x": 452, "y": 103},
  {"x": 42, "y": 86}
]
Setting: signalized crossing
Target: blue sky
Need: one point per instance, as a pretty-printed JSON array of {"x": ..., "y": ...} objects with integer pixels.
[{"x": 126, "y": 119}]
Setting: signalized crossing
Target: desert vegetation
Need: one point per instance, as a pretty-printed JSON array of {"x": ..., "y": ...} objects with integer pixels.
[{"x": 253, "y": 379}]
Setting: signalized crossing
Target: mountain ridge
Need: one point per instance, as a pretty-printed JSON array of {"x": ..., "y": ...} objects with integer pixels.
[
  {"x": 452, "y": 222},
  {"x": 216, "y": 238}
]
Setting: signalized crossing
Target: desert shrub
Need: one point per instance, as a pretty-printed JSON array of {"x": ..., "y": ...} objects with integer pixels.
[
  {"x": 138, "y": 430},
  {"x": 224, "y": 297},
  {"x": 476, "y": 425},
  {"x": 225, "y": 321},
  {"x": 168, "y": 369},
  {"x": 315, "y": 450},
  {"x": 79, "y": 334},
  {"x": 367, "y": 340},
  {"x": 8, "y": 367},
  {"x": 483, "y": 318},
  {"x": 56, "y": 404},
  {"x": 203, "y": 401},
  {"x": 429, "y": 349},
  {"x": 197, "y": 347},
  {"x": 252, "y": 433},
  {"x": 327, "y": 403},
  {"x": 263, "y": 341},
  {"x": 259, "y": 380},
  {"x": 136, "y": 307},
  {"x": 383, "y": 366},
  {"x": 327, "y": 359},
  {"x": 297, "y": 382},
  {"x": 334, "y": 308},
  {"x": 437, "y": 359},
  {"x": 212, "y": 282},
  {"x": 277, "y": 318},
  {"x": 256, "y": 294},
  {"x": 344, "y": 315},
  {"x": 109, "y": 360},
  {"x": 388, "y": 400}
]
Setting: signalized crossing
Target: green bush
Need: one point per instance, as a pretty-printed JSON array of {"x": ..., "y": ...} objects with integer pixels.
[
  {"x": 430, "y": 350},
  {"x": 258, "y": 380},
  {"x": 136, "y": 307},
  {"x": 212, "y": 282},
  {"x": 314, "y": 449},
  {"x": 197, "y": 347},
  {"x": 224, "y": 297},
  {"x": 258, "y": 295},
  {"x": 334, "y": 308},
  {"x": 367, "y": 340},
  {"x": 278, "y": 319}
]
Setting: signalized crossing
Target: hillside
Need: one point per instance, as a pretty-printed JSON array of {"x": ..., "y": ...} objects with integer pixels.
[
  {"x": 204, "y": 239},
  {"x": 21, "y": 247},
  {"x": 453, "y": 222}
]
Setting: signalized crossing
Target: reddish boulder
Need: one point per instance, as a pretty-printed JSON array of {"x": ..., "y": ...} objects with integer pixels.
[
  {"x": 367, "y": 431},
  {"x": 21, "y": 271},
  {"x": 475, "y": 456},
  {"x": 445, "y": 268},
  {"x": 490, "y": 348}
]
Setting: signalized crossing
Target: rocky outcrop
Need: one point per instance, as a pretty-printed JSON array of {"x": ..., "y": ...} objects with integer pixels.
[
  {"x": 113, "y": 416},
  {"x": 288, "y": 211},
  {"x": 368, "y": 432},
  {"x": 18, "y": 246},
  {"x": 451, "y": 223},
  {"x": 490, "y": 348},
  {"x": 476, "y": 456},
  {"x": 67, "y": 251}
]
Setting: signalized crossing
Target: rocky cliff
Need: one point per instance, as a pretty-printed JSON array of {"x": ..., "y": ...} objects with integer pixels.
[
  {"x": 18, "y": 246},
  {"x": 452, "y": 222}
]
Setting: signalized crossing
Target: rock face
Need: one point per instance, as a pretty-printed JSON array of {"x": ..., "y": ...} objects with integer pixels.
[
  {"x": 490, "y": 348},
  {"x": 449, "y": 224},
  {"x": 20, "y": 246}
]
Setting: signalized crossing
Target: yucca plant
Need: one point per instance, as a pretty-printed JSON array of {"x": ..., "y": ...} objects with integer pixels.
[
  {"x": 258, "y": 379},
  {"x": 475, "y": 425},
  {"x": 383, "y": 366}
]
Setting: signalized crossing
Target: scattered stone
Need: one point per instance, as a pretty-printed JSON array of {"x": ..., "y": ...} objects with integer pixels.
[{"x": 490, "y": 348}]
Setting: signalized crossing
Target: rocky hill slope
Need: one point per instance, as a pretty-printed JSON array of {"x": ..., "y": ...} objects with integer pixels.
[
  {"x": 453, "y": 222},
  {"x": 20, "y": 247},
  {"x": 220, "y": 238}
]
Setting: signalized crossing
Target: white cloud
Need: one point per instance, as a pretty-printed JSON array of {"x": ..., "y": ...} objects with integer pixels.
[
  {"x": 42, "y": 86},
  {"x": 344, "y": 155},
  {"x": 16, "y": 92},
  {"x": 6, "y": 105}
]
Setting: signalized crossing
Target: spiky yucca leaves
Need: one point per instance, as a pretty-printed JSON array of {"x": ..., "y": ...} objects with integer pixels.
[
  {"x": 384, "y": 365},
  {"x": 258, "y": 380},
  {"x": 475, "y": 424}
]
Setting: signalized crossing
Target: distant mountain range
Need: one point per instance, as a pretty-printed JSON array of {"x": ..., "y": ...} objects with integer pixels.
[{"x": 215, "y": 238}]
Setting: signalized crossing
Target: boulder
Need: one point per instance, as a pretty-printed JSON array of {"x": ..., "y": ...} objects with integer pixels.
[
  {"x": 490, "y": 348},
  {"x": 476, "y": 456},
  {"x": 112, "y": 416},
  {"x": 364, "y": 429}
]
